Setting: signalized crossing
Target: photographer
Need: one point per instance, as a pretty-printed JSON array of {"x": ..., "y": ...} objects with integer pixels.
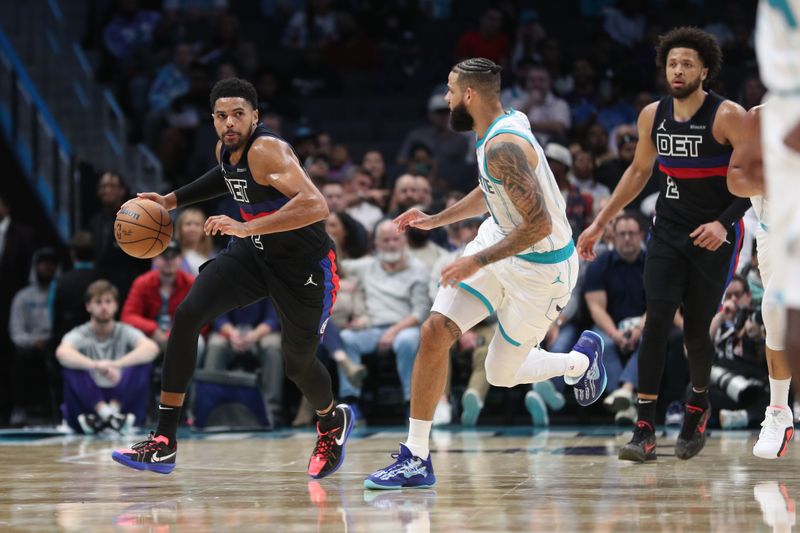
[{"x": 739, "y": 389}]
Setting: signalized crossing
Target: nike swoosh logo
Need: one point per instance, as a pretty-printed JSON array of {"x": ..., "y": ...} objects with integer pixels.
[
  {"x": 649, "y": 448},
  {"x": 157, "y": 459},
  {"x": 340, "y": 440}
]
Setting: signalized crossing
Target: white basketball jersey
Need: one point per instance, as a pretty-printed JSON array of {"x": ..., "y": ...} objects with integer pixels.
[
  {"x": 778, "y": 45},
  {"x": 504, "y": 214}
]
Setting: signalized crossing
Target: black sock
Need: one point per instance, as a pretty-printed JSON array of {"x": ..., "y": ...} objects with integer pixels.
[
  {"x": 647, "y": 411},
  {"x": 699, "y": 399},
  {"x": 168, "y": 418},
  {"x": 329, "y": 420}
]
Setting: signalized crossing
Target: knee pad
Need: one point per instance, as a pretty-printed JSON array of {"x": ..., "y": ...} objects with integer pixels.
[{"x": 774, "y": 316}]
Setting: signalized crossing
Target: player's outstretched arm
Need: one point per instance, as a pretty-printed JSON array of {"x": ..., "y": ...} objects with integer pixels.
[
  {"x": 472, "y": 205},
  {"x": 273, "y": 164},
  {"x": 746, "y": 170},
  {"x": 630, "y": 185}
]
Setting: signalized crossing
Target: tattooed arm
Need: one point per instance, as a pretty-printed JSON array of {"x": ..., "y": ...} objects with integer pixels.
[{"x": 511, "y": 160}]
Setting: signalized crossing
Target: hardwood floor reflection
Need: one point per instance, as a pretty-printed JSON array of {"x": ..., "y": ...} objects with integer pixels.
[{"x": 510, "y": 480}]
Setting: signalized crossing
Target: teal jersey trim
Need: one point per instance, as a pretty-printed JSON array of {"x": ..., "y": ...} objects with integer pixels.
[
  {"x": 508, "y": 339},
  {"x": 550, "y": 258},
  {"x": 485, "y": 301},
  {"x": 479, "y": 142},
  {"x": 763, "y": 226},
  {"x": 477, "y": 294}
]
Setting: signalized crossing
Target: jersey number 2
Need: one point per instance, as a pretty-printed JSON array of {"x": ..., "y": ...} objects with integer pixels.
[{"x": 672, "y": 189}]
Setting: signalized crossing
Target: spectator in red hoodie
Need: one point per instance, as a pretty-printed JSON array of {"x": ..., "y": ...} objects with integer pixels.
[
  {"x": 487, "y": 41},
  {"x": 154, "y": 296}
]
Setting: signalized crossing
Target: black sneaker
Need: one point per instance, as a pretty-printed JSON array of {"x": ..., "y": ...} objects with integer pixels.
[
  {"x": 642, "y": 446},
  {"x": 692, "y": 437},
  {"x": 328, "y": 454},
  {"x": 154, "y": 454},
  {"x": 91, "y": 423}
]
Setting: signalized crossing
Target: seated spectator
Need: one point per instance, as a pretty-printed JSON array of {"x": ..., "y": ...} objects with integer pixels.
[
  {"x": 517, "y": 89},
  {"x": 583, "y": 95},
  {"x": 172, "y": 80},
  {"x": 113, "y": 264},
  {"x": 739, "y": 377},
  {"x": 129, "y": 30},
  {"x": 404, "y": 195},
  {"x": 443, "y": 142},
  {"x": 251, "y": 333},
  {"x": 614, "y": 292},
  {"x": 487, "y": 41},
  {"x": 549, "y": 115},
  {"x": 196, "y": 246},
  {"x": 361, "y": 199},
  {"x": 107, "y": 367},
  {"x": 396, "y": 298},
  {"x": 348, "y": 235},
  {"x": 69, "y": 308},
  {"x": 318, "y": 167},
  {"x": 579, "y": 205},
  {"x": 610, "y": 172},
  {"x": 30, "y": 328},
  {"x": 596, "y": 142},
  {"x": 155, "y": 295},
  {"x": 583, "y": 178},
  {"x": 339, "y": 162},
  {"x": 374, "y": 163}
]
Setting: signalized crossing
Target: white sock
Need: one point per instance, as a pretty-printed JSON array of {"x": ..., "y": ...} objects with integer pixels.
[
  {"x": 541, "y": 365},
  {"x": 779, "y": 392},
  {"x": 419, "y": 432}
]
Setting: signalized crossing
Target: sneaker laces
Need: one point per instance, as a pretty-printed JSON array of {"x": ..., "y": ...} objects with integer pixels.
[
  {"x": 772, "y": 428},
  {"x": 148, "y": 445},
  {"x": 690, "y": 421},
  {"x": 324, "y": 447}
]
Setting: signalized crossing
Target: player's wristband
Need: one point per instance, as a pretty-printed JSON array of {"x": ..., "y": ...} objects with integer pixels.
[{"x": 209, "y": 185}]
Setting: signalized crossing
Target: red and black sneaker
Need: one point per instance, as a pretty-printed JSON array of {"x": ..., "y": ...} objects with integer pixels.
[
  {"x": 692, "y": 437},
  {"x": 328, "y": 454},
  {"x": 154, "y": 454},
  {"x": 642, "y": 446}
]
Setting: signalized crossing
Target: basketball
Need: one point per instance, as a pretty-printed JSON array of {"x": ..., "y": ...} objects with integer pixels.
[{"x": 143, "y": 228}]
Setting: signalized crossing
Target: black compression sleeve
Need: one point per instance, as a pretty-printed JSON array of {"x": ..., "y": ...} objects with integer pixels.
[
  {"x": 734, "y": 212},
  {"x": 209, "y": 185}
]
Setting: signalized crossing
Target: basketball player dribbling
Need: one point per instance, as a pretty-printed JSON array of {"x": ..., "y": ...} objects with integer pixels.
[
  {"x": 522, "y": 264},
  {"x": 280, "y": 250},
  {"x": 696, "y": 234}
]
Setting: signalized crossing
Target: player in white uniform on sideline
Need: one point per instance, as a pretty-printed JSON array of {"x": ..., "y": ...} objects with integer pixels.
[
  {"x": 745, "y": 178},
  {"x": 778, "y": 51},
  {"x": 522, "y": 266}
]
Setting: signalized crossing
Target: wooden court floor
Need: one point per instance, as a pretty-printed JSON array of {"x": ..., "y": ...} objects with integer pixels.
[{"x": 565, "y": 479}]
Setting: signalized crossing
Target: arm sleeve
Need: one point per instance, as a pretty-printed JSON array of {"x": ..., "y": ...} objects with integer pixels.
[
  {"x": 734, "y": 212},
  {"x": 209, "y": 185}
]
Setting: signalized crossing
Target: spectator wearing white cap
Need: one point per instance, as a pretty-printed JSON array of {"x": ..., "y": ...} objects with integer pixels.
[
  {"x": 447, "y": 145},
  {"x": 579, "y": 205}
]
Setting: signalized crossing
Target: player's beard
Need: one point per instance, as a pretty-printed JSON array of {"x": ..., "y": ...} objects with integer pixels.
[
  {"x": 460, "y": 119},
  {"x": 686, "y": 90},
  {"x": 239, "y": 143}
]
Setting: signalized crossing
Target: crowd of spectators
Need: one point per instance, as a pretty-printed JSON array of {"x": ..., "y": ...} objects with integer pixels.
[{"x": 582, "y": 82}]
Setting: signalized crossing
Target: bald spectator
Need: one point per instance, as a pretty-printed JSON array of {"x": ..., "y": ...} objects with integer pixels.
[
  {"x": 396, "y": 297},
  {"x": 549, "y": 115},
  {"x": 404, "y": 195}
]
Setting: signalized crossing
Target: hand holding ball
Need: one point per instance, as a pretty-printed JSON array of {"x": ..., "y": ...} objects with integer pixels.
[{"x": 142, "y": 228}]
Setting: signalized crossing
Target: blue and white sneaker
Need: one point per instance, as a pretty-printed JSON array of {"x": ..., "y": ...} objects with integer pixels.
[
  {"x": 407, "y": 472},
  {"x": 592, "y": 384}
]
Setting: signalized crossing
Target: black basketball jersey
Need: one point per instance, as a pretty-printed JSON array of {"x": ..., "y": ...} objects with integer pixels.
[
  {"x": 256, "y": 201},
  {"x": 693, "y": 165}
]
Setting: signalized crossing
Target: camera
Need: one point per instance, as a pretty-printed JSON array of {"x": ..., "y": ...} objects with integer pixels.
[{"x": 738, "y": 388}]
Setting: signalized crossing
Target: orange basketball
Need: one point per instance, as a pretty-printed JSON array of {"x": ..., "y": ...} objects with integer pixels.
[{"x": 143, "y": 228}]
